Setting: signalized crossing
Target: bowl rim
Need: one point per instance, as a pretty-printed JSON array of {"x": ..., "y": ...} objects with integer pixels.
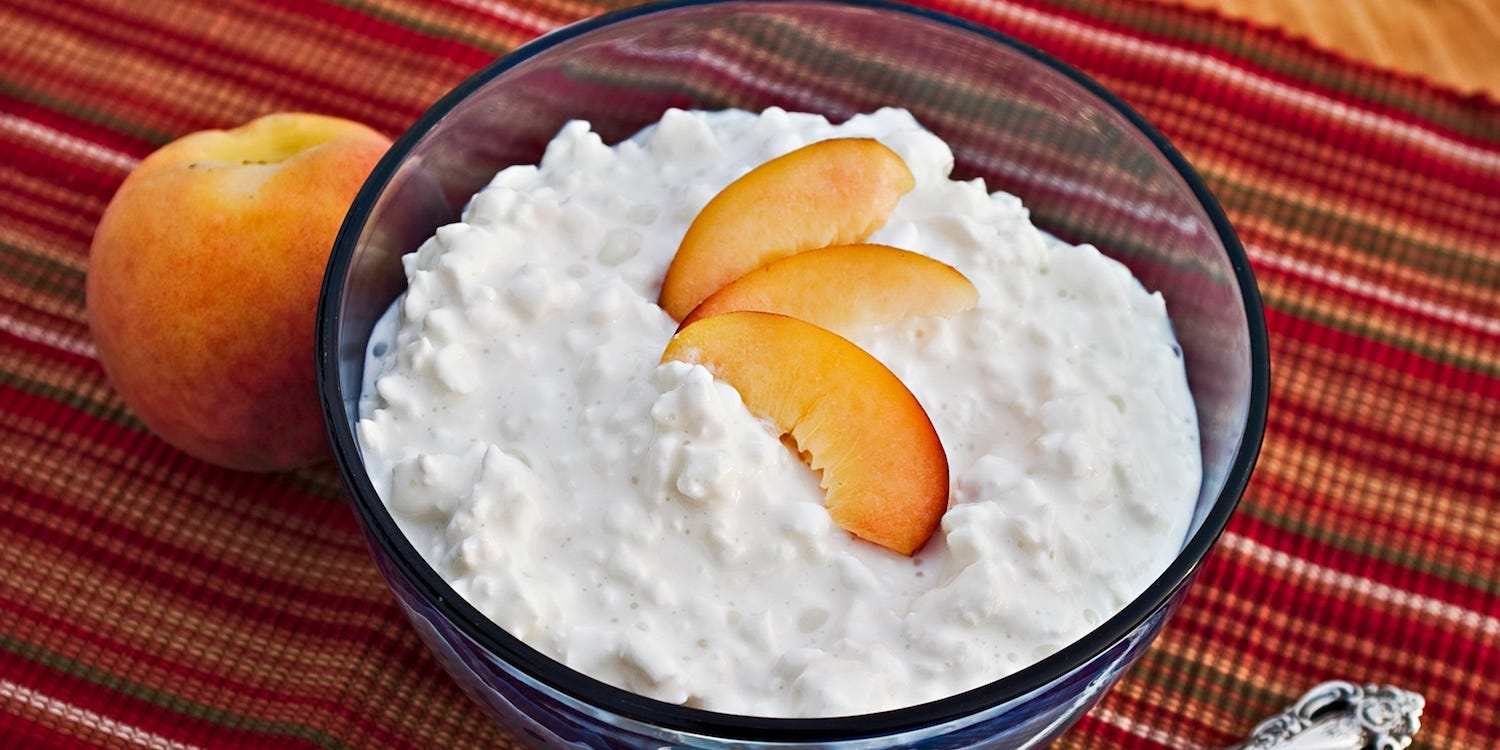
[{"x": 381, "y": 526}]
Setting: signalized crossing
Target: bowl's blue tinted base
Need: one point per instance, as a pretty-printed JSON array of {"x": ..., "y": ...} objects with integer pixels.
[{"x": 540, "y": 717}]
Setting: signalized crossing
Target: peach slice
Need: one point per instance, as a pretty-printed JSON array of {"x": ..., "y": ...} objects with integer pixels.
[
  {"x": 884, "y": 470},
  {"x": 844, "y": 287},
  {"x": 832, "y": 192}
]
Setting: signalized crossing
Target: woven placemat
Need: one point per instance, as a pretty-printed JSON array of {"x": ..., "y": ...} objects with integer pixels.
[{"x": 150, "y": 600}]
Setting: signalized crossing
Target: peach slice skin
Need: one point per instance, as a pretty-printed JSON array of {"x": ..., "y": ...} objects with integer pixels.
[
  {"x": 883, "y": 467},
  {"x": 832, "y": 192},
  {"x": 845, "y": 287}
]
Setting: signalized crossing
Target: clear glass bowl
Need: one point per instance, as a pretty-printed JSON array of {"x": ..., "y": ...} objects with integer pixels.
[{"x": 1089, "y": 169}]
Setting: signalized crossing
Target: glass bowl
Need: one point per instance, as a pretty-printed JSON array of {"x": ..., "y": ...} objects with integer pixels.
[{"x": 1089, "y": 169}]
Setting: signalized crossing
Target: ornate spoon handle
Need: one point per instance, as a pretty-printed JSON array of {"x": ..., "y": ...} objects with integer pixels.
[{"x": 1342, "y": 716}]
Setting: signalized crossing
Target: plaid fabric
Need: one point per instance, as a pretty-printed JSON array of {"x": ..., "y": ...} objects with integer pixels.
[{"x": 151, "y": 600}]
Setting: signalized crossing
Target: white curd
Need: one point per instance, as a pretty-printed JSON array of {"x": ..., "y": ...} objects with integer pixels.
[{"x": 635, "y": 522}]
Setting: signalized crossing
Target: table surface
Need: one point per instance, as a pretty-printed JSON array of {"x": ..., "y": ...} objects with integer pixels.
[
  {"x": 1448, "y": 42},
  {"x": 151, "y": 600}
]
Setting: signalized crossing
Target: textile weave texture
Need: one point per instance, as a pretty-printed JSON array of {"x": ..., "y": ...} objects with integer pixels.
[{"x": 150, "y": 600}]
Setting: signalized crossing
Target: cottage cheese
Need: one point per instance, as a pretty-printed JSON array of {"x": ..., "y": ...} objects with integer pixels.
[{"x": 632, "y": 520}]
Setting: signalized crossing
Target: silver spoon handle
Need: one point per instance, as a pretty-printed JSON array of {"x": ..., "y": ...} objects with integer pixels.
[{"x": 1342, "y": 716}]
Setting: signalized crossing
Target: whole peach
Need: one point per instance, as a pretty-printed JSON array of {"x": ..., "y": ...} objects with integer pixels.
[{"x": 203, "y": 284}]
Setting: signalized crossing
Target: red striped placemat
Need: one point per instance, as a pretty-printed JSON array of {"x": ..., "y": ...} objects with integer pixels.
[{"x": 150, "y": 600}]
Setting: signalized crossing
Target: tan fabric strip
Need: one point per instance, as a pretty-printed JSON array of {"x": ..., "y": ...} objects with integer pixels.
[{"x": 1453, "y": 43}]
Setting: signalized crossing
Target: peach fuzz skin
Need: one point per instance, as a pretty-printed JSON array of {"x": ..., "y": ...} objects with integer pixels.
[{"x": 203, "y": 284}]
